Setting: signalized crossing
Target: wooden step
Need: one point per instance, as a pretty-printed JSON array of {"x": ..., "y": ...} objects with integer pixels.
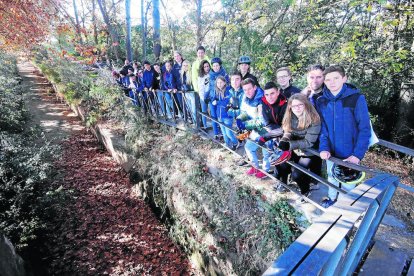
[{"x": 383, "y": 260}]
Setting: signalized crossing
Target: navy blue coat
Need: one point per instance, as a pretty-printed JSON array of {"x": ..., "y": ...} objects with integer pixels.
[
  {"x": 168, "y": 80},
  {"x": 346, "y": 128},
  {"x": 148, "y": 78}
]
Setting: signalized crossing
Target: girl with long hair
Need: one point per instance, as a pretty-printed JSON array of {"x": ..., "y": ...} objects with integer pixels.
[
  {"x": 186, "y": 87},
  {"x": 203, "y": 87},
  {"x": 301, "y": 125},
  {"x": 219, "y": 104}
]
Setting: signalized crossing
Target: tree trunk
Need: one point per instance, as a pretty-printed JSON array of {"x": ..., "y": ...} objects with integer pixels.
[
  {"x": 128, "y": 29},
  {"x": 144, "y": 30},
  {"x": 95, "y": 28},
  {"x": 199, "y": 4},
  {"x": 171, "y": 30},
  {"x": 112, "y": 31},
  {"x": 223, "y": 36},
  {"x": 156, "y": 36},
  {"x": 78, "y": 32}
]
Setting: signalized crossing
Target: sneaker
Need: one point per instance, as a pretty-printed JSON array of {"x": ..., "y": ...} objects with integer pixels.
[
  {"x": 252, "y": 171},
  {"x": 280, "y": 189},
  {"x": 302, "y": 199},
  {"x": 314, "y": 187},
  {"x": 260, "y": 175},
  {"x": 218, "y": 138},
  {"x": 235, "y": 147},
  {"x": 242, "y": 161},
  {"x": 326, "y": 202},
  {"x": 279, "y": 157}
]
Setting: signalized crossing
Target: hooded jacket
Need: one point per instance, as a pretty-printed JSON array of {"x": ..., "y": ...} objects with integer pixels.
[
  {"x": 273, "y": 113},
  {"x": 168, "y": 80},
  {"x": 249, "y": 113},
  {"x": 148, "y": 78},
  {"x": 213, "y": 77},
  {"x": 236, "y": 99},
  {"x": 222, "y": 103},
  {"x": 345, "y": 120}
]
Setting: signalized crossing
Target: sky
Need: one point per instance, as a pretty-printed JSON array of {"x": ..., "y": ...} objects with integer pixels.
[{"x": 175, "y": 7}]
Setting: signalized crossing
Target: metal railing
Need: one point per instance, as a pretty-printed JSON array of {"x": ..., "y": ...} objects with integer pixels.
[{"x": 335, "y": 243}]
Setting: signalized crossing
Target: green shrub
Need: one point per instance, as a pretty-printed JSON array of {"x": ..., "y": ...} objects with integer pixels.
[{"x": 25, "y": 163}]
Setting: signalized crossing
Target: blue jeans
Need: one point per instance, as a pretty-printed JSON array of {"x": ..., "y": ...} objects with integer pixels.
[
  {"x": 190, "y": 105},
  {"x": 213, "y": 114},
  {"x": 178, "y": 103},
  {"x": 251, "y": 151},
  {"x": 204, "y": 109},
  {"x": 169, "y": 104},
  {"x": 160, "y": 96},
  {"x": 228, "y": 135},
  {"x": 133, "y": 96}
]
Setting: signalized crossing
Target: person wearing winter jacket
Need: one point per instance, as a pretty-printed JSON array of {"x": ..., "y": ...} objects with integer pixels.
[
  {"x": 346, "y": 128},
  {"x": 201, "y": 55},
  {"x": 273, "y": 110},
  {"x": 284, "y": 79},
  {"x": 301, "y": 126},
  {"x": 244, "y": 67},
  {"x": 134, "y": 87},
  {"x": 251, "y": 118},
  {"x": 178, "y": 61},
  {"x": 314, "y": 78},
  {"x": 217, "y": 70},
  {"x": 219, "y": 102},
  {"x": 236, "y": 95},
  {"x": 169, "y": 84},
  {"x": 156, "y": 77},
  {"x": 147, "y": 76},
  {"x": 117, "y": 78},
  {"x": 185, "y": 85},
  {"x": 203, "y": 88}
]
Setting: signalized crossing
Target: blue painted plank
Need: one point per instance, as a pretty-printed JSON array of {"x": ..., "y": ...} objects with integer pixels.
[{"x": 303, "y": 244}]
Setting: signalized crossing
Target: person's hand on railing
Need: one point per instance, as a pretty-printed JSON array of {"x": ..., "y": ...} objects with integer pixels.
[
  {"x": 352, "y": 159},
  {"x": 325, "y": 155}
]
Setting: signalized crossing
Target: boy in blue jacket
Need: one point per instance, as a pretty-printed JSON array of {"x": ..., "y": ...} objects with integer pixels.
[{"x": 346, "y": 126}]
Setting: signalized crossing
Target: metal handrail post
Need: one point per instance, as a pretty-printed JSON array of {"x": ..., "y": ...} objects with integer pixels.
[
  {"x": 332, "y": 264},
  {"x": 354, "y": 249},
  {"x": 383, "y": 205}
]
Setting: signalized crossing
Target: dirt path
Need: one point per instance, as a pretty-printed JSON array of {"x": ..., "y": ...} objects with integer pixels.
[{"x": 104, "y": 228}]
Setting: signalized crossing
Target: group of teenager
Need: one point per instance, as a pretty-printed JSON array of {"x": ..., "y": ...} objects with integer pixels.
[{"x": 329, "y": 114}]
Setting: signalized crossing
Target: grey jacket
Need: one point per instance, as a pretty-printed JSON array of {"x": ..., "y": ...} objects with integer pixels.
[{"x": 302, "y": 139}]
